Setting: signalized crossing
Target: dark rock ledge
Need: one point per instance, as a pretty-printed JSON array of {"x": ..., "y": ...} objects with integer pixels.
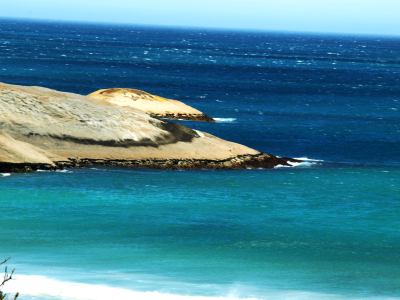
[
  {"x": 262, "y": 160},
  {"x": 190, "y": 117}
]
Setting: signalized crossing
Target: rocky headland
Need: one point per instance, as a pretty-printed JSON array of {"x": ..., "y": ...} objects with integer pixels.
[
  {"x": 155, "y": 106},
  {"x": 42, "y": 128}
]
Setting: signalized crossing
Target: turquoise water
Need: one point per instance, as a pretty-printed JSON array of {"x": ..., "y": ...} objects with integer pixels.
[{"x": 256, "y": 233}]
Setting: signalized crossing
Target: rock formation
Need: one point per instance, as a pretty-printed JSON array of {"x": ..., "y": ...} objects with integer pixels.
[
  {"x": 155, "y": 106},
  {"x": 47, "y": 129}
]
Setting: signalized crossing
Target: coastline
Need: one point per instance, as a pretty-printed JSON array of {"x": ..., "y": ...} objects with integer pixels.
[
  {"x": 187, "y": 117},
  {"x": 47, "y": 129},
  {"x": 255, "y": 161}
]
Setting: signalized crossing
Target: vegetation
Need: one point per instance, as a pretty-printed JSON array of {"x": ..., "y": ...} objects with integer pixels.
[{"x": 7, "y": 277}]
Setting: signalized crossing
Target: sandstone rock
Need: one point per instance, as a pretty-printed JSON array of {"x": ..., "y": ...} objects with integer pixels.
[
  {"x": 44, "y": 128},
  {"x": 155, "y": 106}
]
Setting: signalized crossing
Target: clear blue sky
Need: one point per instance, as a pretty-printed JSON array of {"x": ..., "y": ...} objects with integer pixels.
[{"x": 337, "y": 16}]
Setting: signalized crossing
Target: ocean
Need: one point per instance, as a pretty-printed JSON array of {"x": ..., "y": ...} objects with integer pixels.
[{"x": 327, "y": 229}]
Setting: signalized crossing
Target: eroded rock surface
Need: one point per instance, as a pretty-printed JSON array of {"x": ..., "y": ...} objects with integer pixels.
[
  {"x": 155, "y": 106},
  {"x": 44, "y": 128}
]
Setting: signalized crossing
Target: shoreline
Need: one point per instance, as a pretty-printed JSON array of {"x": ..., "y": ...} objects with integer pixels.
[
  {"x": 256, "y": 161},
  {"x": 51, "y": 130},
  {"x": 184, "y": 117}
]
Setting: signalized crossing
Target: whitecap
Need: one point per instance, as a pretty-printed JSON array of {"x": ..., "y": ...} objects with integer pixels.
[
  {"x": 5, "y": 174},
  {"x": 281, "y": 166},
  {"x": 225, "y": 120},
  {"x": 303, "y": 162},
  {"x": 64, "y": 171},
  {"x": 309, "y": 159}
]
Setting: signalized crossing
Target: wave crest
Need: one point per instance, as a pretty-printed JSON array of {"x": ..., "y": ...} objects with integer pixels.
[
  {"x": 40, "y": 287},
  {"x": 225, "y": 120},
  {"x": 37, "y": 286},
  {"x": 305, "y": 162}
]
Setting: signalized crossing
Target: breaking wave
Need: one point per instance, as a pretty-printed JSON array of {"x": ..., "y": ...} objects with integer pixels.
[
  {"x": 42, "y": 287},
  {"x": 225, "y": 120},
  {"x": 305, "y": 162}
]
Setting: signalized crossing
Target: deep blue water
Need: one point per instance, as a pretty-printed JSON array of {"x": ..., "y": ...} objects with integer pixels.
[
  {"x": 329, "y": 231},
  {"x": 328, "y": 97}
]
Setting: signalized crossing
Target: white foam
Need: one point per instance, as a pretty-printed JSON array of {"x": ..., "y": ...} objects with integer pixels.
[
  {"x": 45, "y": 287},
  {"x": 64, "y": 171},
  {"x": 304, "y": 162},
  {"x": 281, "y": 166},
  {"x": 309, "y": 159},
  {"x": 225, "y": 120},
  {"x": 58, "y": 171},
  {"x": 5, "y": 174}
]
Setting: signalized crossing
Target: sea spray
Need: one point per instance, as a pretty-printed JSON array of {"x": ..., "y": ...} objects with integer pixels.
[{"x": 37, "y": 286}]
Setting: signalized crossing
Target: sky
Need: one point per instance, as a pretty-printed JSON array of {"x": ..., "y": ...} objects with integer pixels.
[{"x": 377, "y": 17}]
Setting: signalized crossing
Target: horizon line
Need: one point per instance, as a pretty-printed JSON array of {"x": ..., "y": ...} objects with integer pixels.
[{"x": 182, "y": 27}]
